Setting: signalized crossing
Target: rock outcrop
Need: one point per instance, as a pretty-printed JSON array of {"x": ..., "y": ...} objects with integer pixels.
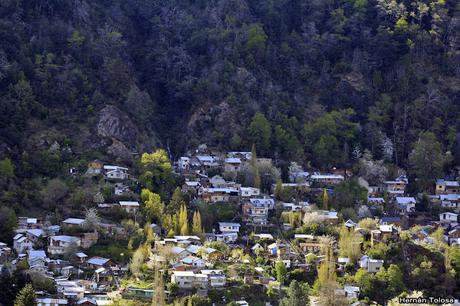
[{"x": 115, "y": 124}]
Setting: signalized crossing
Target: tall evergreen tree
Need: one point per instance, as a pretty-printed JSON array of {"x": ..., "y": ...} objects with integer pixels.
[{"x": 25, "y": 297}]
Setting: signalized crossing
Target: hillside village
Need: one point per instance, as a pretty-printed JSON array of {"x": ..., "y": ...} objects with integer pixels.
[{"x": 236, "y": 232}]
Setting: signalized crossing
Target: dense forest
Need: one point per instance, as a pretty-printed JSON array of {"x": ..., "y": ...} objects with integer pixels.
[
  {"x": 317, "y": 81},
  {"x": 367, "y": 85}
]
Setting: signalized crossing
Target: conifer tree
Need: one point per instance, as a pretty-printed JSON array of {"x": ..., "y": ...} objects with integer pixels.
[{"x": 25, "y": 297}]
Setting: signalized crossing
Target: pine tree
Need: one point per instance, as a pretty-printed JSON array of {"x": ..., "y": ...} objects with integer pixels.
[
  {"x": 25, "y": 297},
  {"x": 197, "y": 228}
]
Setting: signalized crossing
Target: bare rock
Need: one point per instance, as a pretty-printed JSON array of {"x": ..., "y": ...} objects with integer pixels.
[
  {"x": 115, "y": 124},
  {"x": 120, "y": 152}
]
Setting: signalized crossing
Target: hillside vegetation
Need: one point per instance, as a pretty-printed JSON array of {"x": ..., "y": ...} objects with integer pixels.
[{"x": 314, "y": 81}]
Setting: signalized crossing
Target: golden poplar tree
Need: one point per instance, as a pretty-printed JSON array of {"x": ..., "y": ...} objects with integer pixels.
[
  {"x": 325, "y": 199},
  {"x": 197, "y": 229},
  {"x": 183, "y": 221}
]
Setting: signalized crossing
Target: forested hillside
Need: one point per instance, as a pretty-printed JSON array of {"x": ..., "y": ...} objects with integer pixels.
[{"x": 312, "y": 81}]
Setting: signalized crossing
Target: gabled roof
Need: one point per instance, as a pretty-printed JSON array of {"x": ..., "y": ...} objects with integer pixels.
[
  {"x": 449, "y": 213},
  {"x": 233, "y": 160},
  {"x": 449, "y": 197},
  {"x": 17, "y": 236},
  {"x": 184, "y": 273},
  {"x": 74, "y": 221},
  {"x": 185, "y": 237},
  {"x": 229, "y": 224},
  {"x": 405, "y": 200},
  {"x": 390, "y": 219},
  {"x": 37, "y": 232},
  {"x": 32, "y": 221},
  {"x": 350, "y": 223},
  {"x": 263, "y": 236},
  {"x": 81, "y": 255},
  {"x": 177, "y": 250},
  {"x": 111, "y": 168},
  {"x": 386, "y": 228},
  {"x": 205, "y": 158},
  {"x": 379, "y": 200},
  {"x": 327, "y": 176},
  {"x": 97, "y": 261},
  {"x": 65, "y": 238},
  {"x": 447, "y": 183},
  {"x": 129, "y": 203},
  {"x": 36, "y": 254},
  {"x": 220, "y": 190},
  {"x": 191, "y": 259}
]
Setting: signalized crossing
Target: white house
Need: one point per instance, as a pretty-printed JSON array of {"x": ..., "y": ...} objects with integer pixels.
[
  {"x": 450, "y": 200},
  {"x": 351, "y": 292},
  {"x": 405, "y": 204},
  {"x": 204, "y": 279},
  {"x": 226, "y": 237},
  {"x": 183, "y": 279},
  {"x": 327, "y": 178},
  {"x": 129, "y": 206},
  {"x": 244, "y": 156},
  {"x": 35, "y": 234},
  {"x": 193, "y": 262},
  {"x": 263, "y": 202},
  {"x": 58, "y": 245},
  {"x": 184, "y": 163},
  {"x": 216, "y": 278},
  {"x": 229, "y": 227},
  {"x": 247, "y": 192},
  {"x": 120, "y": 189},
  {"x": 371, "y": 265},
  {"x": 73, "y": 222},
  {"x": 445, "y": 186},
  {"x": 396, "y": 187},
  {"x": 70, "y": 289},
  {"x": 375, "y": 201},
  {"x": 115, "y": 172},
  {"x": 448, "y": 217},
  {"x": 36, "y": 259},
  {"x": 232, "y": 164},
  {"x": 21, "y": 243}
]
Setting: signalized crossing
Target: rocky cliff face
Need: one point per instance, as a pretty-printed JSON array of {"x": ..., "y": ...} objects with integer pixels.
[
  {"x": 115, "y": 124},
  {"x": 121, "y": 136}
]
